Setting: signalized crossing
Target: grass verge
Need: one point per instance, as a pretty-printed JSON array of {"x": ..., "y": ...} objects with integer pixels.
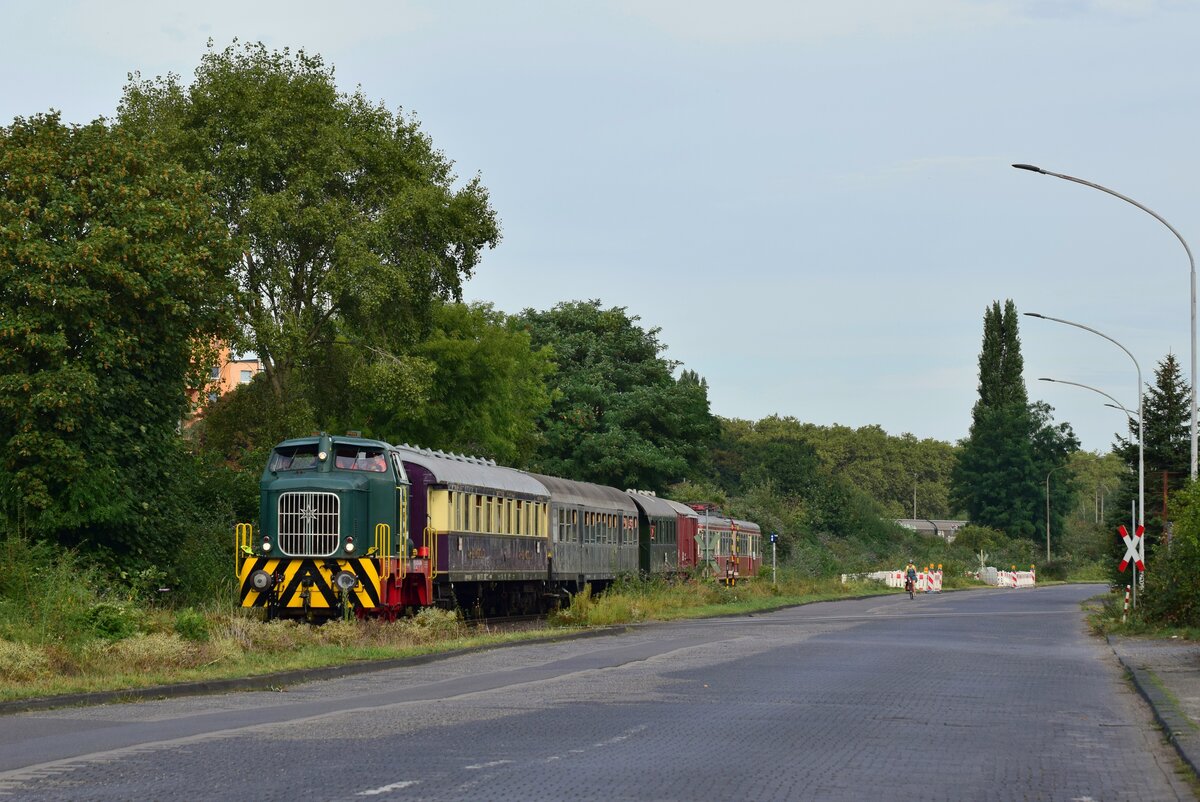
[{"x": 157, "y": 647}]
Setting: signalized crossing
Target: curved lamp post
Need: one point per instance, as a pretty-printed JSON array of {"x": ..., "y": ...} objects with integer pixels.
[
  {"x": 1191, "y": 262},
  {"x": 1115, "y": 405},
  {"x": 1141, "y": 516},
  {"x": 1052, "y": 470}
]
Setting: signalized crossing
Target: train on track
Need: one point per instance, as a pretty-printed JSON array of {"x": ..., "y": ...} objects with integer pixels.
[{"x": 349, "y": 525}]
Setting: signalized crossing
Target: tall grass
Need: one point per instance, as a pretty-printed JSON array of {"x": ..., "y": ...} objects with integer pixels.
[{"x": 633, "y": 599}]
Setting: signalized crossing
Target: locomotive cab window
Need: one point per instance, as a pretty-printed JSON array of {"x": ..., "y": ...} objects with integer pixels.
[
  {"x": 359, "y": 458},
  {"x": 294, "y": 458}
]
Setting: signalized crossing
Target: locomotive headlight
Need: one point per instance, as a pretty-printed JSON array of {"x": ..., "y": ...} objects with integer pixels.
[
  {"x": 322, "y": 456},
  {"x": 349, "y": 547},
  {"x": 345, "y": 580},
  {"x": 261, "y": 580},
  {"x": 266, "y": 545}
]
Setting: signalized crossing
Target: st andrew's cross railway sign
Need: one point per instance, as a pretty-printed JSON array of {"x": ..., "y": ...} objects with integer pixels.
[{"x": 1134, "y": 548}]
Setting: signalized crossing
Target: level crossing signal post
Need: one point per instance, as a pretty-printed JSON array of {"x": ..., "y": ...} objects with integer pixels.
[
  {"x": 1135, "y": 555},
  {"x": 774, "y": 539}
]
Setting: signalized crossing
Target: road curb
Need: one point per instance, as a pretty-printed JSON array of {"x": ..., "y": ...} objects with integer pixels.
[{"x": 1179, "y": 730}]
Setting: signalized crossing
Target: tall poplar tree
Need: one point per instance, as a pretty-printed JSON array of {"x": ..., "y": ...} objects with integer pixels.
[{"x": 1012, "y": 444}]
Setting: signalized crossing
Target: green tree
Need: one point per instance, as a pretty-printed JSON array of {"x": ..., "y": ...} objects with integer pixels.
[
  {"x": 889, "y": 468},
  {"x": 618, "y": 416},
  {"x": 1012, "y": 445},
  {"x": 1166, "y": 410},
  {"x": 774, "y": 458},
  {"x": 487, "y": 392},
  {"x": 111, "y": 285},
  {"x": 347, "y": 219}
]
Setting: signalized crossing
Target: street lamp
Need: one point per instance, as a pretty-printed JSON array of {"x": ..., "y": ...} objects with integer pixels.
[
  {"x": 1052, "y": 470},
  {"x": 1141, "y": 517},
  {"x": 1115, "y": 405},
  {"x": 1191, "y": 262}
]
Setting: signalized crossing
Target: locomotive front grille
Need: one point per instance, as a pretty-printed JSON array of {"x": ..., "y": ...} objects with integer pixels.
[{"x": 308, "y": 524}]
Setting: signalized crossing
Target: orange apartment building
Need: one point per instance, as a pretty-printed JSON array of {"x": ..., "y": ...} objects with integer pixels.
[{"x": 232, "y": 371}]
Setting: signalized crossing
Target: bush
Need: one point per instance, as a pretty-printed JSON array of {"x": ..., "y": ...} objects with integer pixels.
[
  {"x": 1057, "y": 570},
  {"x": 432, "y": 621},
  {"x": 976, "y": 538},
  {"x": 1172, "y": 594},
  {"x": 111, "y": 621},
  {"x": 191, "y": 626}
]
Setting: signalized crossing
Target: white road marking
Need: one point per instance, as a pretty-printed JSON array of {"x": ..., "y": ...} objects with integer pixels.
[{"x": 387, "y": 789}]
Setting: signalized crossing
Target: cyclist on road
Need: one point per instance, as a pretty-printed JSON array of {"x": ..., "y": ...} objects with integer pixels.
[{"x": 910, "y": 577}]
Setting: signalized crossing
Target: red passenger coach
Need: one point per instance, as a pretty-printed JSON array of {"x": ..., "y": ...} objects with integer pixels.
[
  {"x": 727, "y": 548},
  {"x": 685, "y": 535}
]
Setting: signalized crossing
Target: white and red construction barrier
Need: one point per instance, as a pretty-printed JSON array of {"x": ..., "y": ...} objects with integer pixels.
[
  {"x": 929, "y": 579},
  {"x": 1016, "y": 579}
]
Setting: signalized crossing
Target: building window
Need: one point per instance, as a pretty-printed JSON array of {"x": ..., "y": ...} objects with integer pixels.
[
  {"x": 215, "y": 374},
  {"x": 246, "y": 376}
]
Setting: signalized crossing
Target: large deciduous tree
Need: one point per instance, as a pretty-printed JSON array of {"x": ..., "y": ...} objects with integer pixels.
[
  {"x": 488, "y": 389},
  {"x": 1012, "y": 445},
  {"x": 111, "y": 282},
  {"x": 348, "y": 220},
  {"x": 618, "y": 415}
]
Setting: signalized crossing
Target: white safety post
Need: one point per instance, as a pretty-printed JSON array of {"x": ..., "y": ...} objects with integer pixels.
[{"x": 774, "y": 537}]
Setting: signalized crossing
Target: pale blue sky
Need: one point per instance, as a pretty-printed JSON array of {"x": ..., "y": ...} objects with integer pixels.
[{"x": 813, "y": 200}]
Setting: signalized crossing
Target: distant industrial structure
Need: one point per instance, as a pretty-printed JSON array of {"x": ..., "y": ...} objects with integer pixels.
[{"x": 946, "y": 530}]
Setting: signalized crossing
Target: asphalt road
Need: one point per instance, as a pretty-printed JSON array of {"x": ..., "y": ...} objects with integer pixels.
[{"x": 996, "y": 694}]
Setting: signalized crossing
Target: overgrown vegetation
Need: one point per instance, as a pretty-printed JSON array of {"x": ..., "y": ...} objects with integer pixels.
[{"x": 100, "y": 641}]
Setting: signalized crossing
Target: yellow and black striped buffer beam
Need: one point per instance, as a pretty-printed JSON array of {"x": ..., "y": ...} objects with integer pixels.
[{"x": 311, "y": 578}]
